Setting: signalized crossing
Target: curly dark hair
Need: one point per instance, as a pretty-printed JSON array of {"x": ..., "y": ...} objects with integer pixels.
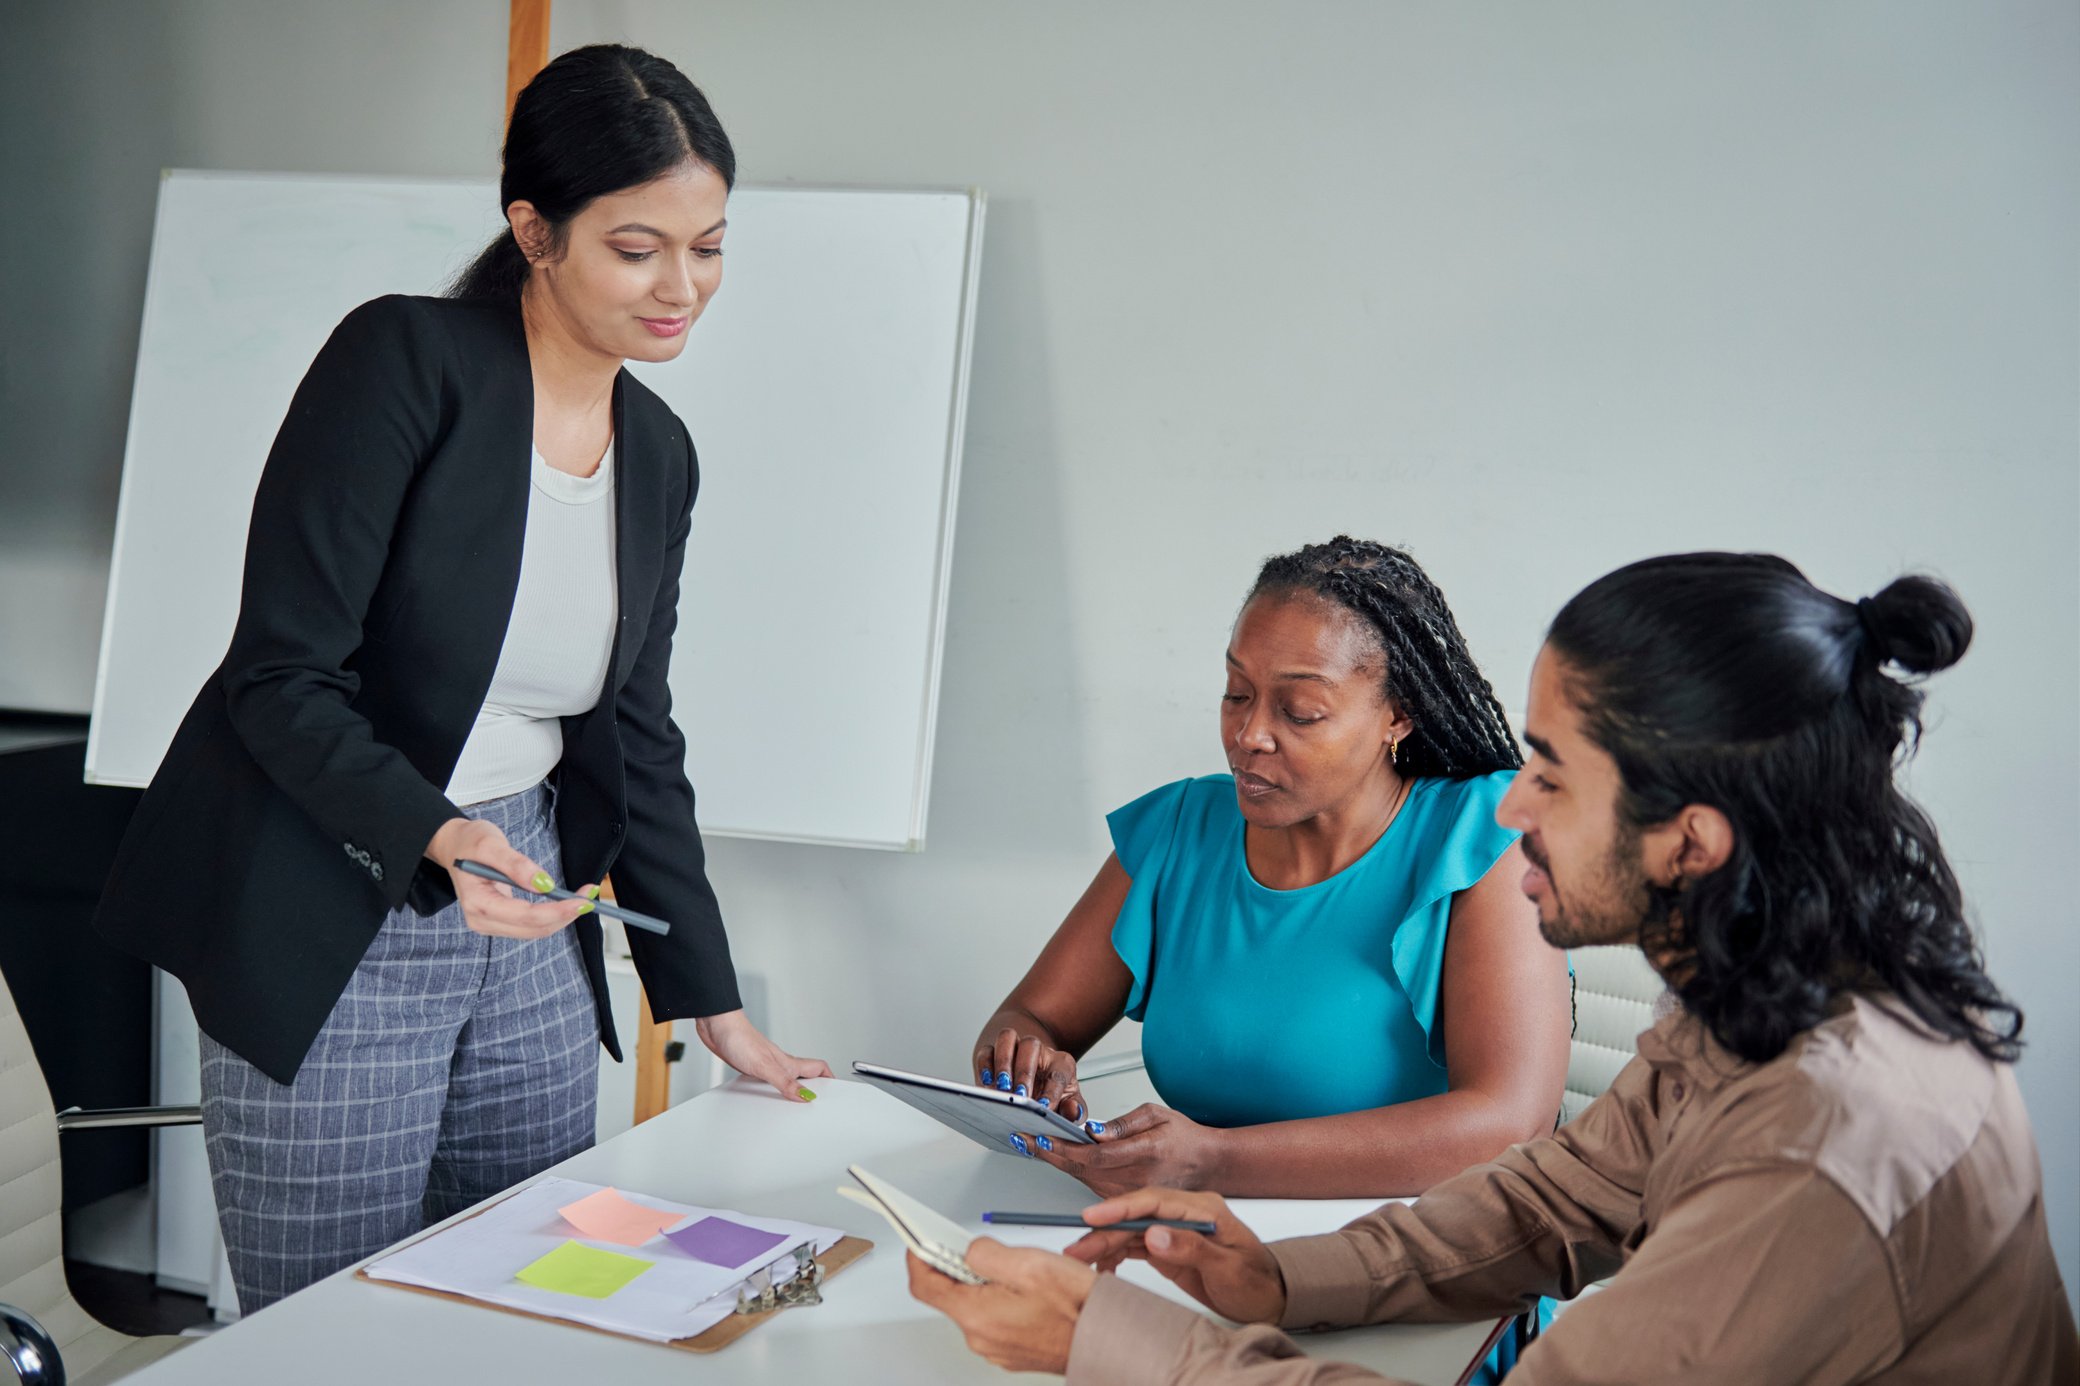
[
  {"x": 1731, "y": 680},
  {"x": 1460, "y": 728}
]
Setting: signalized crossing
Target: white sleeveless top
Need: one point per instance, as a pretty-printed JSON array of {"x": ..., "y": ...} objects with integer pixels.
[{"x": 558, "y": 641}]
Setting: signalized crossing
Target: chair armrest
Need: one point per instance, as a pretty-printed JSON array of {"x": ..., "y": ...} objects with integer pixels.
[
  {"x": 73, "y": 1119},
  {"x": 29, "y": 1349},
  {"x": 1106, "y": 1065}
]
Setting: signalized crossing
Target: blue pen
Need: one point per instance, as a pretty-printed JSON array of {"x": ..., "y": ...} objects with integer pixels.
[
  {"x": 606, "y": 907},
  {"x": 1073, "y": 1220}
]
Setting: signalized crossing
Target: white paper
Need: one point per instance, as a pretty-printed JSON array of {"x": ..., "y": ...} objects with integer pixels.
[
  {"x": 677, "y": 1297},
  {"x": 938, "y": 1240}
]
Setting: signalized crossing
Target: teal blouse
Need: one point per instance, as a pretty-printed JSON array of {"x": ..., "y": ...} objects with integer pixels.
[{"x": 1264, "y": 1005}]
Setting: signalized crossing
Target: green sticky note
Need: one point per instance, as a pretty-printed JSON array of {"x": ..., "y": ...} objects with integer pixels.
[{"x": 577, "y": 1269}]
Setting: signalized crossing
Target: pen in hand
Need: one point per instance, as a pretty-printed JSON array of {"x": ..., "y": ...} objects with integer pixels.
[
  {"x": 605, "y": 907},
  {"x": 1204, "y": 1229}
]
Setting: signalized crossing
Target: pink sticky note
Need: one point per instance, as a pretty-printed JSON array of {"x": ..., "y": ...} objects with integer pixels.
[
  {"x": 608, "y": 1217},
  {"x": 720, "y": 1242}
]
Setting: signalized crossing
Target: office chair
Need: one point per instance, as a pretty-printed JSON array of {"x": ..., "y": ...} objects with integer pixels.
[
  {"x": 1617, "y": 996},
  {"x": 44, "y": 1333}
]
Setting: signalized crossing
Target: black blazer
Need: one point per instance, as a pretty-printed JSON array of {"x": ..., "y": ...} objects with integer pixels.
[{"x": 292, "y": 808}]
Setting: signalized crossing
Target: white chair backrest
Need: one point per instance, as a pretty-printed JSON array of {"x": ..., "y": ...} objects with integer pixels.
[
  {"x": 32, "y": 1265},
  {"x": 1614, "y": 998}
]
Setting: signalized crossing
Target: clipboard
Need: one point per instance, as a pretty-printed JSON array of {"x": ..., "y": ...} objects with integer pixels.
[{"x": 843, "y": 1253}]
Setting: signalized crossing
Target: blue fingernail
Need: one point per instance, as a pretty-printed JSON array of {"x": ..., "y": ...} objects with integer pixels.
[
  {"x": 987, "y": 1078},
  {"x": 1003, "y": 1082},
  {"x": 1018, "y": 1143},
  {"x": 1043, "y": 1102},
  {"x": 1046, "y": 1144},
  {"x": 1021, "y": 1090},
  {"x": 1096, "y": 1128}
]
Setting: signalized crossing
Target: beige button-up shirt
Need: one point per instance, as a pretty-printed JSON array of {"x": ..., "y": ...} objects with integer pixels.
[{"x": 1866, "y": 1207}]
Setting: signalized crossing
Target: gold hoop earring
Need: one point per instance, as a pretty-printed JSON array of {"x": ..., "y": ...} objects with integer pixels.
[{"x": 1393, "y": 752}]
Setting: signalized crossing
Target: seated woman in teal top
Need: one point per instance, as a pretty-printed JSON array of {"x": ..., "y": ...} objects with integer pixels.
[
  {"x": 1342, "y": 991},
  {"x": 1263, "y": 983}
]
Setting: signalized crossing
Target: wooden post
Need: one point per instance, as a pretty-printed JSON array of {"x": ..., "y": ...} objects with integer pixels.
[
  {"x": 527, "y": 52},
  {"x": 653, "y": 1041},
  {"x": 527, "y": 46},
  {"x": 653, "y": 1071}
]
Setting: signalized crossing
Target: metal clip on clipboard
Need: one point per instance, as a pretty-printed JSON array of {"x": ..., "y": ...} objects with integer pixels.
[{"x": 801, "y": 1290}]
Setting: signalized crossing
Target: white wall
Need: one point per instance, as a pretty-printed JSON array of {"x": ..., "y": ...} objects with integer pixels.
[
  {"x": 1532, "y": 289},
  {"x": 95, "y": 99}
]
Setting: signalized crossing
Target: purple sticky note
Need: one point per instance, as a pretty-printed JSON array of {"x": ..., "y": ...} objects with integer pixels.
[{"x": 720, "y": 1242}]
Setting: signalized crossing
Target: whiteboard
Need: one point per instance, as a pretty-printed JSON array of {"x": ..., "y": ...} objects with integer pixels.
[{"x": 825, "y": 389}]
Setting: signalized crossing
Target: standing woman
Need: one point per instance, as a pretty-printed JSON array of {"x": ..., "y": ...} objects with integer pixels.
[{"x": 461, "y": 583}]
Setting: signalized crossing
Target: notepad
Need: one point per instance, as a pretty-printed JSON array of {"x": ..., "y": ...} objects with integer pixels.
[
  {"x": 577, "y": 1269},
  {"x": 938, "y": 1240},
  {"x": 608, "y": 1216},
  {"x": 720, "y": 1242}
]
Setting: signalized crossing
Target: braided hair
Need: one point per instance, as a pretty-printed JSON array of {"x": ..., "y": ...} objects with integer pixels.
[{"x": 1460, "y": 727}]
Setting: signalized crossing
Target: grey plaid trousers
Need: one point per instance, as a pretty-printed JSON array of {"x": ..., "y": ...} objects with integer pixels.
[{"x": 454, "y": 1066}]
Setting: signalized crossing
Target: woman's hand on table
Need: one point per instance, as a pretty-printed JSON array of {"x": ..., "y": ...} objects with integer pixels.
[
  {"x": 732, "y": 1038},
  {"x": 1230, "y": 1272},
  {"x": 1030, "y": 1067},
  {"x": 488, "y": 907},
  {"x": 1149, "y": 1145}
]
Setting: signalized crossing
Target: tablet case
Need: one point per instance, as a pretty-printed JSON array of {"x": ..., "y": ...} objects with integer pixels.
[{"x": 984, "y": 1115}]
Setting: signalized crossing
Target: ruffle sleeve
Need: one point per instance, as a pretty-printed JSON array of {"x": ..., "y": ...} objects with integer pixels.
[
  {"x": 1460, "y": 842},
  {"x": 1144, "y": 833}
]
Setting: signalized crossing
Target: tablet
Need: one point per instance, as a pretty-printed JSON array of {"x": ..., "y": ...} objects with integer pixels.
[{"x": 984, "y": 1115}]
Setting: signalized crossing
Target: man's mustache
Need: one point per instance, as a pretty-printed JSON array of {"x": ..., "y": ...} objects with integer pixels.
[{"x": 1536, "y": 856}]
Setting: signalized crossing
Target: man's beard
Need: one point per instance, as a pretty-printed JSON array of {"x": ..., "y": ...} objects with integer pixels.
[{"x": 1611, "y": 906}]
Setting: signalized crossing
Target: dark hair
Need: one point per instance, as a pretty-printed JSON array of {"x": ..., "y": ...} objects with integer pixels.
[
  {"x": 596, "y": 120},
  {"x": 1730, "y": 680},
  {"x": 1460, "y": 728}
]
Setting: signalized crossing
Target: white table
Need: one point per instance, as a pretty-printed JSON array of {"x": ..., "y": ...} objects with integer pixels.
[{"x": 741, "y": 1147}]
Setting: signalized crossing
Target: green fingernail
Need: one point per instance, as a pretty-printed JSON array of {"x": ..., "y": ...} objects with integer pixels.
[
  {"x": 590, "y": 892},
  {"x": 586, "y": 908},
  {"x": 805, "y": 1094},
  {"x": 542, "y": 883}
]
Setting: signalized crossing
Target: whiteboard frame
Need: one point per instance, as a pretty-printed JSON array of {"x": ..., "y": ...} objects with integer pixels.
[{"x": 942, "y": 563}]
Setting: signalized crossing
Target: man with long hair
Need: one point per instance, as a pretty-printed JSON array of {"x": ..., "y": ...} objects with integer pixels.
[{"x": 1818, "y": 1169}]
